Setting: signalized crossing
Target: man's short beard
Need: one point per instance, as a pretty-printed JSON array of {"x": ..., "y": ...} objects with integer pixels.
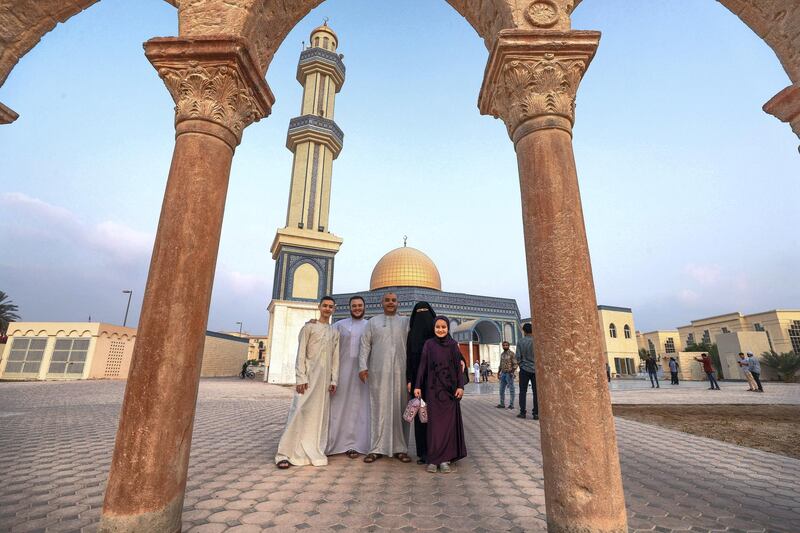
[{"x": 352, "y": 315}]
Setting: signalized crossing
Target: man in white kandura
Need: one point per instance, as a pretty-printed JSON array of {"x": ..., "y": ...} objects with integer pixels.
[
  {"x": 348, "y": 431},
  {"x": 382, "y": 365},
  {"x": 317, "y": 370}
]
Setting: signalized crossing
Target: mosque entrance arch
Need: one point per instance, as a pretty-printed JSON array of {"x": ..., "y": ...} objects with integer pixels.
[
  {"x": 479, "y": 340},
  {"x": 215, "y": 73}
]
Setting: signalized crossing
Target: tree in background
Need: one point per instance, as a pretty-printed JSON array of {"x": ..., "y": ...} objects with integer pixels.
[
  {"x": 713, "y": 353},
  {"x": 8, "y": 312},
  {"x": 786, "y": 364}
]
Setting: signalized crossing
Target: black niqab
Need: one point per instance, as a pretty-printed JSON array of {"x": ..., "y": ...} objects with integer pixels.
[{"x": 420, "y": 327}]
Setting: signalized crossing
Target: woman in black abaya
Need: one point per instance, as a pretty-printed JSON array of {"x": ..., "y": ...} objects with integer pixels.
[{"x": 420, "y": 330}]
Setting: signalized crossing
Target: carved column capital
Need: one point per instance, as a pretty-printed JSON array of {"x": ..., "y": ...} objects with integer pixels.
[
  {"x": 785, "y": 106},
  {"x": 7, "y": 115},
  {"x": 532, "y": 78},
  {"x": 215, "y": 83}
]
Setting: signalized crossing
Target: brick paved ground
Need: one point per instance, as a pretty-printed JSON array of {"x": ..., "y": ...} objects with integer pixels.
[{"x": 56, "y": 441}]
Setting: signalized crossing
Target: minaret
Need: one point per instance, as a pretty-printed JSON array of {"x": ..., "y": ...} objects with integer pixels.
[{"x": 304, "y": 249}]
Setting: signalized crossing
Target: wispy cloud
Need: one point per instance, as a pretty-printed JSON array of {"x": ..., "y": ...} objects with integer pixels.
[
  {"x": 242, "y": 283},
  {"x": 114, "y": 241},
  {"x": 704, "y": 274}
]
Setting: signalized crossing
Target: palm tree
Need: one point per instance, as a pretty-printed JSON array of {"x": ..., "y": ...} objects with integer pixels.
[
  {"x": 786, "y": 364},
  {"x": 8, "y": 312}
]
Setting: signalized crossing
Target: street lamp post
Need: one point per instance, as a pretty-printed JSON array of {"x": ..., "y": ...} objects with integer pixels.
[
  {"x": 127, "y": 308},
  {"x": 240, "y": 328}
]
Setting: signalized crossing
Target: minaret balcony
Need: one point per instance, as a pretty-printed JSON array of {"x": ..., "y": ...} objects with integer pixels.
[
  {"x": 313, "y": 128},
  {"x": 315, "y": 59}
]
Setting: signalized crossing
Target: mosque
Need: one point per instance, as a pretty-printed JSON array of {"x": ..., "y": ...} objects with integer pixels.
[
  {"x": 304, "y": 249},
  {"x": 479, "y": 323}
]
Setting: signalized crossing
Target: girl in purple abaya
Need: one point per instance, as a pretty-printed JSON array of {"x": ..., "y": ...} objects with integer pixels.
[{"x": 440, "y": 382}]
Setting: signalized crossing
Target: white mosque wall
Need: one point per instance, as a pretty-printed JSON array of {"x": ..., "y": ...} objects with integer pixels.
[
  {"x": 491, "y": 353},
  {"x": 286, "y": 319}
]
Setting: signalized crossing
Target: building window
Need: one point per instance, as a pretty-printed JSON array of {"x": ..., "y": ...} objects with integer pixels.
[
  {"x": 690, "y": 339},
  {"x": 627, "y": 330},
  {"x": 612, "y": 331},
  {"x": 669, "y": 346},
  {"x": 26, "y": 355},
  {"x": 758, "y": 327},
  {"x": 725, "y": 330},
  {"x": 624, "y": 366},
  {"x": 652, "y": 347},
  {"x": 706, "y": 337},
  {"x": 69, "y": 356},
  {"x": 794, "y": 336}
]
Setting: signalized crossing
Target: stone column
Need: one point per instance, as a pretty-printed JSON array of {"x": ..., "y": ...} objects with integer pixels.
[
  {"x": 531, "y": 81},
  {"x": 218, "y": 91}
]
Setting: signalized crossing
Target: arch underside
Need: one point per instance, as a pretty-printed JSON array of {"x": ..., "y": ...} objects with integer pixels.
[{"x": 264, "y": 24}]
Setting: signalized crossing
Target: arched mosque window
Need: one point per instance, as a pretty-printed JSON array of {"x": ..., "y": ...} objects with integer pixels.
[
  {"x": 627, "y": 330},
  {"x": 612, "y": 331}
]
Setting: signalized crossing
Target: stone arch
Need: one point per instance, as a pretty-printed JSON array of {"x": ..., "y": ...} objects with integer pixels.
[
  {"x": 23, "y": 23},
  {"x": 775, "y": 22},
  {"x": 264, "y": 24},
  {"x": 306, "y": 281}
]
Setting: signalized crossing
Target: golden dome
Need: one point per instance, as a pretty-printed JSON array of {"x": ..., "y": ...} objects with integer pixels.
[
  {"x": 405, "y": 267},
  {"x": 327, "y": 29}
]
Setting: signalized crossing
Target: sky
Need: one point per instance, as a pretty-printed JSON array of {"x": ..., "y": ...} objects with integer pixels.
[{"x": 689, "y": 189}]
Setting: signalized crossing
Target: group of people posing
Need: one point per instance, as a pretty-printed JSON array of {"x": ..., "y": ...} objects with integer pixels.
[
  {"x": 354, "y": 378},
  {"x": 749, "y": 364}
]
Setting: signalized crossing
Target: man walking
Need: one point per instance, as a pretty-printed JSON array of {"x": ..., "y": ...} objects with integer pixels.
[
  {"x": 476, "y": 371},
  {"x": 673, "y": 370},
  {"x": 709, "y": 370},
  {"x": 755, "y": 369},
  {"x": 316, "y": 372},
  {"x": 506, "y": 371},
  {"x": 349, "y": 423},
  {"x": 652, "y": 371},
  {"x": 382, "y": 365},
  {"x": 527, "y": 372}
]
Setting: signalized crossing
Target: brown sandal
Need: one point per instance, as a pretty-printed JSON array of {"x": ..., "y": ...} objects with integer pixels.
[
  {"x": 352, "y": 454},
  {"x": 283, "y": 465},
  {"x": 371, "y": 457},
  {"x": 403, "y": 458}
]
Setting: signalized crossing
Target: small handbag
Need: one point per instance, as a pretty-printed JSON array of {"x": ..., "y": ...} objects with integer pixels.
[
  {"x": 423, "y": 411},
  {"x": 412, "y": 408}
]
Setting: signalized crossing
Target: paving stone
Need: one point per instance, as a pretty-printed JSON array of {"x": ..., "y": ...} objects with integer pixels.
[
  {"x": 257, "y": 518},
  {"x": 491, "y": 491},
  {"x": 208, "y": 528}
]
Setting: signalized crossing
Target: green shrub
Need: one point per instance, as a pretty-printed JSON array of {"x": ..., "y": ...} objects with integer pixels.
[{"x": 786, "y": 364}]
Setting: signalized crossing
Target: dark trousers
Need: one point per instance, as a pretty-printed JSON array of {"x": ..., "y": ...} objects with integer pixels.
[
  {"x": 712, "y": 380},
  {"x": 653, "y": 378},
  {"x": 757, "y": 377},
  {"x": 524, "y": 378},
  {"x": 674, "y": 378},
  {"x": 421, "y": 438}
]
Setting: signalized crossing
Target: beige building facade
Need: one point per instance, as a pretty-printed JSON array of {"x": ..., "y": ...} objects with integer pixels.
[
  {"x": 619, "y": 339},
  {"x": 660, "y": 343},
  {"x": 95, "y": 350},
  {"x": 781, "y": 327}
]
